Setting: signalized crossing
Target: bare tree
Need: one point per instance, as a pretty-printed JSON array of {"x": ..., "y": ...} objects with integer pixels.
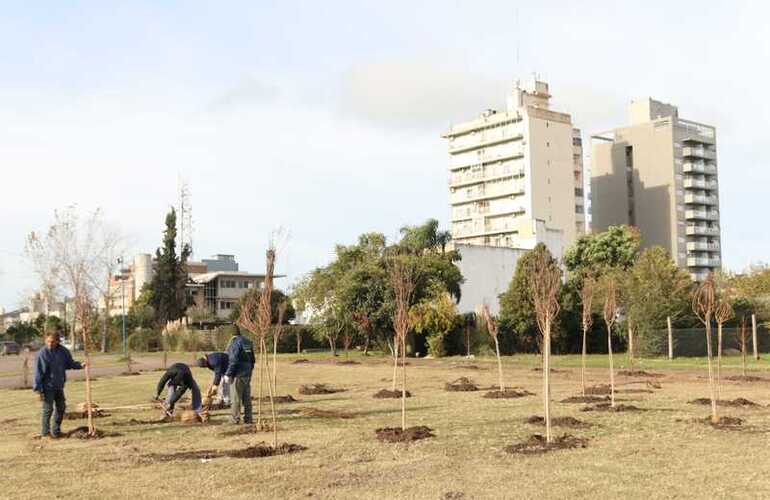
[
  {"x": 482, "y": 312},
  {"x": 366, "y": 327},
  {"x": 112, "y": 246},
  {"x": 277, "y": 331},
  {"x": 545, "y": 286},
  {"x": 723, "y": 312},
  {"x": 704, "y": 305},
  {"x": 587, "y": 298},
  {"x": 403, "y": 275},
  {"x": 610, "y": 314}
]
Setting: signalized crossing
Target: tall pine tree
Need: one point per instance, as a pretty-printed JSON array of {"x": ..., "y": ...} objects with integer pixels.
[{"x": 168, "y": 283}]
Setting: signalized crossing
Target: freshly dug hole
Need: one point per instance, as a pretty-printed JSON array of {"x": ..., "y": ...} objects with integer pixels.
[
  {"x": 311, "y": 389},
  {"x": 258, "y": 451},
  {"x": 462, "y": 384},
  {"x": 746, "y": 378},
  {"x": 570, "y": 422},
  {"x": 536, "y": 444},
  {"x": 82, "y": 433},
  {"x": 318, "y": 412},
  {"x": 608, "y": 407},
  {"x": 398, "y": 435},
  {"x": 300, "y": 361},
  {"x": 388, "y": 394},
  {"x": 347, "y": 362},
  {"x": 508, "y": 393},
  {"x": 639, "y": 373},
  {"x": 604, "y": 389},
  {"x": 586, "y": 399},
  {"x": 278, "y": 399}
]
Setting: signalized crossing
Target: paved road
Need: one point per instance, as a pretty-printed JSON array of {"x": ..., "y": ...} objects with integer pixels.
[{"x": 11, "y": 367}]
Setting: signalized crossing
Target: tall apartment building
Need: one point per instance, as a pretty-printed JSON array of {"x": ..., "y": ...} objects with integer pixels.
[
  {"x": 516, "y": 176},
  {"x": 660, "y": 175}
]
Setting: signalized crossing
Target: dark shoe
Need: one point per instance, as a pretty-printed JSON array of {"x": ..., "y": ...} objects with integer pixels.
[{"x": 56, "y": 435}]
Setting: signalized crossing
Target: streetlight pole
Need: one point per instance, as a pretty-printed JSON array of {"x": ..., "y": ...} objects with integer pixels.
[{"x": 123, "y": 306}]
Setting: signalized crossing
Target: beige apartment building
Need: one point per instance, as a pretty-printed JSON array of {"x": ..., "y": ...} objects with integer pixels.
[
  {"x": 516, "y": 176},
  {"x": 660, "y": 175}
]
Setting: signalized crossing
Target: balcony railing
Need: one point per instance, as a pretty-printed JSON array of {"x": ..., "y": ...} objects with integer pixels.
[
  {"x": 699, "y": 168},
  {"x": 486, "y": 138},
  {"x": 698, "y": 153},
  {"x": 703, "y": 262},
  {"x": 691, "y": 183},
  {"x": 698, "y": 199},
  {"x": 693, "y": 230},
  {"x": 699, "y": 246}
]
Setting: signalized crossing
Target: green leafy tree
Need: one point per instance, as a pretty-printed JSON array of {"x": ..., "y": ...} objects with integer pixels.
[
  {"x": 168, "y": 297},
  {"x": 616, "y": 248},
  {"x": 435, "y": 318}
]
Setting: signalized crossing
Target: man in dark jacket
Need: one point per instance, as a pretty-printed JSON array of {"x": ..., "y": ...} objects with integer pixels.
[
  {"x": 178, "y": 378},
  {"x": 51, "y": 367},
  {"x": 240, "y": 352},
  {"x": 218, "y": 363}
]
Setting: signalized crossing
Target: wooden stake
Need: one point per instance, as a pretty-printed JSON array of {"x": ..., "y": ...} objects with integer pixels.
[
  {"x": 670, "y": 340},
  {"x": 754, "y": 335}
]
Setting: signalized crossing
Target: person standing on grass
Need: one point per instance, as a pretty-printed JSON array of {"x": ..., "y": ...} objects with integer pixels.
[
  {"x": 218, "y": 363},
  {"x": 240, "y": 352},
  {"x": 51, "y": 365},
  {"x": 177, "y": 379}
]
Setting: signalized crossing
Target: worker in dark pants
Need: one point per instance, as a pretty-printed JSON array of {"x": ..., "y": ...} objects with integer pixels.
[
  {"x": 51, "y": 367},
  {"x": 240, "y": 352},
  {"x": 218, "y": 363},
  {"x": 177, "y": 379}
]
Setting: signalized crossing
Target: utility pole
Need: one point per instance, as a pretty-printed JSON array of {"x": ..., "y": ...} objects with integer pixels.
[{"x": 123, "y": 304}]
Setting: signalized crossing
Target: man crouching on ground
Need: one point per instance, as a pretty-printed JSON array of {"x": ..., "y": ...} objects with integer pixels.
[
  {"x": 240, "y": 351},
  {"x": 51, "y": 367},
  {"x": 218, "y": 363},
  {"x": 178, "y": 378}
]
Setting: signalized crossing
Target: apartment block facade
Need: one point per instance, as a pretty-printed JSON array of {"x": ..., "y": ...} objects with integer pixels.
[
  {"x": 660, "y": 174},
  {"x": 516, "y": 176}
]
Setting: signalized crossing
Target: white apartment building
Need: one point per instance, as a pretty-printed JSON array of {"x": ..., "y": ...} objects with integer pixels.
[{"x": 516, "y": 176}]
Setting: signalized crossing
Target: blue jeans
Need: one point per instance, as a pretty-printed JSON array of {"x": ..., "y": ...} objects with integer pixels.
[
  {"x": 176, "y": 392},
  {"x": 51, "y": 398}
]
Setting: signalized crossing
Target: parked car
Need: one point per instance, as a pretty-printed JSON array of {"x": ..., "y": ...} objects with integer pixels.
[{"x": 9, "y": 347}]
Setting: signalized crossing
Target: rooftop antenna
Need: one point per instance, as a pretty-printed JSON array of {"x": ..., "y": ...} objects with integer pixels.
[{"x": 185, "y": 215}]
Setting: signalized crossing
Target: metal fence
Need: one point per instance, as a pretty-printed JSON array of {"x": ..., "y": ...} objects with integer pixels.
[{"x": 692, "y": 341}]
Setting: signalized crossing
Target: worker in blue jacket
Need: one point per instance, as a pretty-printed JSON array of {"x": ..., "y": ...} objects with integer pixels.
[
  {"x": 218, "y": 363},
  {"x": 240, "y": 353},
  {"x": 51, "y": 365}
]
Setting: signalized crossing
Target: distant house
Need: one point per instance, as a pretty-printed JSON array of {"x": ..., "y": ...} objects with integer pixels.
[{"x": 221, "y": 290}]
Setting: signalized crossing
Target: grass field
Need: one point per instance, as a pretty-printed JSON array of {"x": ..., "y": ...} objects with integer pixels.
[{"x": 658, "y": 453}]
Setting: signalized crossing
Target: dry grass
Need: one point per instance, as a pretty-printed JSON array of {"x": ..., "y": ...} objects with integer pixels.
[{"x": 629, "y": 455}]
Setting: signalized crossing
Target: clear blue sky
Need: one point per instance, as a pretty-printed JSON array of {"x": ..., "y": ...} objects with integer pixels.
[{"x": 325, "y": 117}]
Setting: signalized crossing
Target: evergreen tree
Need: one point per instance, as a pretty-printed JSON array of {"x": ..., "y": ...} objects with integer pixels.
[{"x": 168, "y": 297}]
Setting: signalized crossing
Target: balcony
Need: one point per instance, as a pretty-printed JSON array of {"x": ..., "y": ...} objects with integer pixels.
[
  {"x": 698, "y": 199},
  {"x": 460, "y": 180},
  {"x": 479, "y": 140},
  {"x": 699, "y": 168},
  {"x": 691, "y": 152},
  {"x": 692, "y": 183},
  {"x": 699, "y": 230},
  {"x": 703, "y": 262},
  {"x": 702, "y": 246}
]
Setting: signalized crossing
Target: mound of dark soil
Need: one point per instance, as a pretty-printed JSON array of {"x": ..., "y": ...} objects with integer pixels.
[
  {"x": 398, "y": 435},
  {"x": 553, "y": 370},
  {"x": 536, "y": 444},
  {"x": 311, "y": 389},
  {"x": 388, "y": 394},
  {"x": 278, "y": 399},
  {"x": 248, "y": 429},
  {"x": 736, "y": 403},
  {"x": 128, "y": 374},
  {"x": 608, "y": 407},
  {"x": 135, "y": 421},
  {"x": 468, "y": 367},
  {"x": 78, "y": 415},
  {"x": 347, "y": 362},
  {"x": 745, "y": 378},
  {"x": 724, "y": 422},
  {"x": 508, "y": 393},
  {"x": 639, "y": 373},
  {"x": 462, "y": 384},
  {"x": 586, "y": 399},
  {"x": 82, "y": 433},
  {"x": 257, "y": 451},
  {"x": 604, "y": 389},
  {"x": 570, "y": 422},
  {"x": 300, "y": 361}
]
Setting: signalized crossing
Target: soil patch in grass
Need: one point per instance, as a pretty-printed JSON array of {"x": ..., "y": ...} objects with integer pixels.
[
  {"x": 618, "y": 408},
  {"x": 388, "y": 394},
  {"x": 639, "y": 373},
  {"x": 468, "y": 367},
  {"x": 320, "y": 413},
  {"x": 508, "y": 393},
  {"x": 398, "y": 435},
  {"x": 258, "y": 451},
  {"x": 82, "y": 433},
  {"x": 311, "y": 389},
  {"x": 278, "y": 399},
  {"x": 746, "y": 378},
  {"x": 78, "y": 415},
  {"x": 570, "y": 422},
  {"x": 347, "y": 362},
  {"x": 462, "y": 384},
  {"x": 536, "y": 444},
  {"x": 127, "y": 374},
  {"x": 604, "y": 389},
  {"x": 300, "y": 361},
  {"x": 553, "y": 370},
  {"x": 586, "y": 399},
  {"x": 135, "y": 421},
  {"x": 248, "y": 429},
  {"x": 735, "y": 403}
]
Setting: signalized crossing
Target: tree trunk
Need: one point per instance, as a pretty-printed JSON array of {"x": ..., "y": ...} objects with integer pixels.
[
  {"x": 104, "y": 330},
  {"x": 260, "y": 362},
  {"x": 583, "y": 362},
  {"x": 630, "y": 346},
  {"x": 743, "y": 346},
  {"x": 333, "y": 345},
  {"x": 395, "y": 363},
  {"x": 468, "y": 341},
  {"x": 270, "y": 390},
  {"x": 547, "y": 379},
  {"x": 366, "y": 342},
  {"x": 275, "y": 364},
  {"x": 299, "y": 341},
  {"x": 714, "y": 415},
  {"x": 719, "y": 361},
  {"x": 499, "y": 366},
  {"x": 403, "y": 382},
  {"x": 612, "y": 369},
  {"x": 129, "y": 368},
  {"x": 25, "y": 371},
  {"x": 670, "y": 339},
  {"x": 754, "y": 335}
]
